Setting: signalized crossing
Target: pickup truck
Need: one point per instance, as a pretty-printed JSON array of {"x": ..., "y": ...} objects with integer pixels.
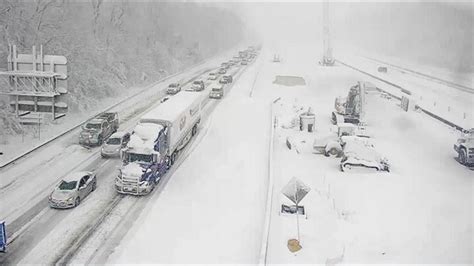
[{"x": 97, "y": 130}]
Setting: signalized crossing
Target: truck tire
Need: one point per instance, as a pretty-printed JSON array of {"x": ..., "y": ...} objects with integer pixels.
[
  {"x": 194, "y": 130},
  {"x": 462, "y": 157}
]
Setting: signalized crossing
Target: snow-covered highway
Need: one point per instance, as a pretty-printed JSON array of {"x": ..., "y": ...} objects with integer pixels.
[{"x": 32, "y": 225}]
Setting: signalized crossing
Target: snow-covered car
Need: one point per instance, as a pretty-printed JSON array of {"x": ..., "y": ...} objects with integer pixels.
[
  {"x": 198, "y": 85},
  {"x": 217, "y": 92},
  {"x": 112, "y": 147},
  {"x": 244, "y": 62},
  {"x": 359, "y": 152},
  {"x": 226, "y": 79},
  {"x": 212, "y": 76},
  {"x": 222, "y": 71},
  {"x": 173, "y": 88},
  {"x": 72, "y": 189}
]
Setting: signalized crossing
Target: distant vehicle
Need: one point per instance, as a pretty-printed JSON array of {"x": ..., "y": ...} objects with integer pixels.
[
  {"x": 198, "y": 85},
  {"x": 276, "y": 58},
  {"x": 173, "y": 88},
  {"x": 156, "y": 142},
  {"x": 464, "y": 147},
  {"x": 212, "y": 76},
  {"x": 72, "y": 189},
  {"x": 222, "y": 71},
  {"x": 225, "y": 65},
  {"x": 217, "y": 92},
  {"x": 244, "y": 62},
  {"x": 112, "y": 147},
  {"x": 226, "y": 79},
  {"x": 358, "y": 153},
  {"x": 164, "y": 99},
  {"x": 382, "y": 69},
  {"x": 98, "y": 129}
]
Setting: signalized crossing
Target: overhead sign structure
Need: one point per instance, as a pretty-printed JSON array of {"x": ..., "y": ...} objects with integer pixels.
[{"x": 3, "y": 237}]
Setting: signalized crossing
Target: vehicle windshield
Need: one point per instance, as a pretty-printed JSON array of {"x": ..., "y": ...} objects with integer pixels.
[
  {"x": 113, "y": 141},
  {"x": 93, "y": 126},
  {"x": 197, "y": 82},
  {"x": 173, "y": 85},
  {"x": 137, "y": 157},
  {"x": 216, "y": 89},
  {"x": 67, "y": 185}
]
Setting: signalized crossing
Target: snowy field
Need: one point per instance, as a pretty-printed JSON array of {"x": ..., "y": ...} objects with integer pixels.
[{"x": 420, "y": 212}]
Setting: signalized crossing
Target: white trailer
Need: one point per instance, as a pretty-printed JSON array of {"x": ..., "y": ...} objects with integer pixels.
[{"x": 180, "y": 117}]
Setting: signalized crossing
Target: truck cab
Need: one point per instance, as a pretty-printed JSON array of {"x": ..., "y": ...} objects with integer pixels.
[
  {"x": 464, "y": 147},
  {"x": 143, "y": 160}
]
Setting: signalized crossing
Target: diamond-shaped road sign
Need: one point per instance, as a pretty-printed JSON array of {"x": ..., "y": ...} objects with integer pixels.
[{"x": 295, "y": 190}]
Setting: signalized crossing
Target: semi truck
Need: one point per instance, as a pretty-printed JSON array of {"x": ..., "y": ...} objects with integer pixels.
[{"x": 156, "y": 142}]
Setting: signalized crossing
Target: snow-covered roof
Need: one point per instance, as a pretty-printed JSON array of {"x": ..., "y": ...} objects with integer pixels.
[
  {"x": 172, "y": 108},
  {"x": 76, "y": 176},
  {"x": 143, "y": 138}
]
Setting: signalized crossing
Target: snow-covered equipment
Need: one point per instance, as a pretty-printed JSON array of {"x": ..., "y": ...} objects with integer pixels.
[
  {"x": 464, "y": 147},
  {"x": 307, "y": 121},
  {"x": 359, "y": 152},
  {"x": 350, "y": 109},
  {"x": 156, "y": 141}
]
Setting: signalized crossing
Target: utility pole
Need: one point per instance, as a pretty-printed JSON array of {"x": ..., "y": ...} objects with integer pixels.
[{"x": 328, "y": 59}]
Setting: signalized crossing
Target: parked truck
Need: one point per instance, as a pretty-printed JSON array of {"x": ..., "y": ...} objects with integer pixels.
[
  {"x": 95, "y": 131},
  {"x": 464, "y": 147},
  {"x": 156, "y": 142}
]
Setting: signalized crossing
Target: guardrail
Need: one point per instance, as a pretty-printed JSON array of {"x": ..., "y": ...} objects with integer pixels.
[
  {"x": 268, "y": 208},
  {"x": 404, "y": 91}
]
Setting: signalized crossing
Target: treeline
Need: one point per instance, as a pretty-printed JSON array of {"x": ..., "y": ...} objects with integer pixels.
[{"x": 111, "y": 45}]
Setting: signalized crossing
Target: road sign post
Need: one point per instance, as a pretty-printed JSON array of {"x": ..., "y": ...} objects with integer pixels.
[
  {"x": 3, "y": 237},
  {"x": 295, "y": 191}
]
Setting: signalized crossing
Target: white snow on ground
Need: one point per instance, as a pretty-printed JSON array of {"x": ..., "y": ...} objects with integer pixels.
[
  {"x": 420, "y": 212},
  {"x": 449, "y": 103},
  {"x": 212, "y": 208}
]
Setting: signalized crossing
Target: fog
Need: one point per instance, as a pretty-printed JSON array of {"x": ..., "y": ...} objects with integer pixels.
[{"x": 432, "y": 33}]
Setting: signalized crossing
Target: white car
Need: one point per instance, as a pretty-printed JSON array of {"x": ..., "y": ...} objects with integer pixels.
[
  {"x": 212, "y": 76},
  {"x": 173, "y": 88},
  {"x": 72, "y": 189},
  {"x": 359, "y": 152}
]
